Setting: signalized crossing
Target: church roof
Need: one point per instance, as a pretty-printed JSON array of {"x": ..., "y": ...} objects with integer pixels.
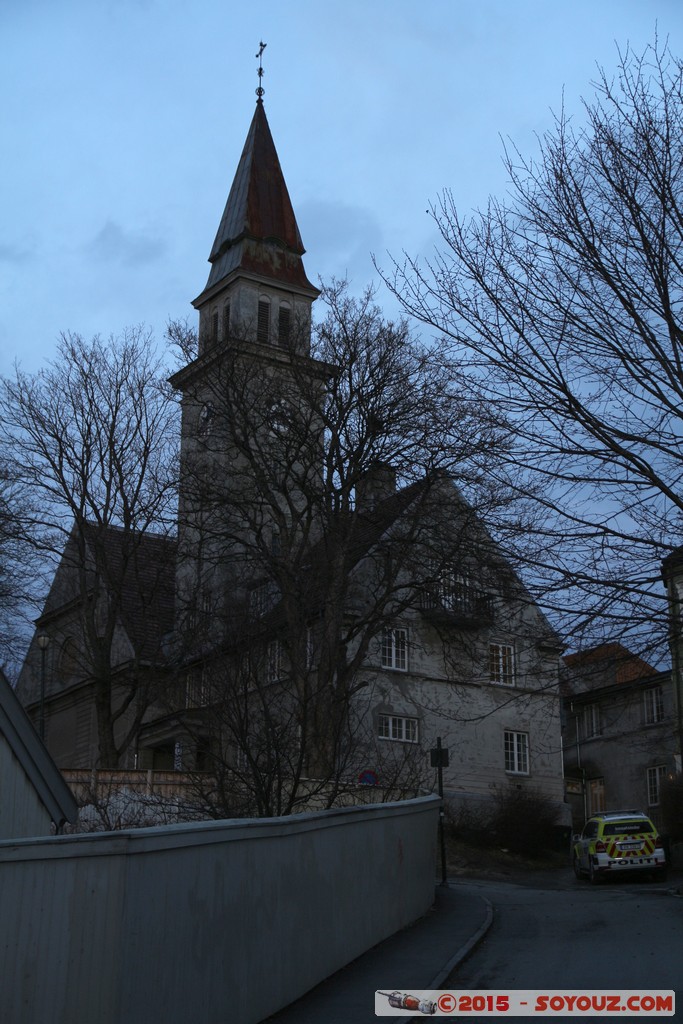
[
  {"x": 361, "y": 533},
  {"x": 258, "y": 232},
  {"x": 138, "y": 569}
]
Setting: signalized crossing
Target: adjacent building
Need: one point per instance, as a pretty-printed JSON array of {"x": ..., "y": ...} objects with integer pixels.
[{"x": 618, "y": 732}]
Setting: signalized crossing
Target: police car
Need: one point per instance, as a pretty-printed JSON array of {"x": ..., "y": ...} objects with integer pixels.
[{"x": 618, "y": 843}]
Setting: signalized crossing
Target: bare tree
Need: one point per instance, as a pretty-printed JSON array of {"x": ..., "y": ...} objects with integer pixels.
[
  {"x": 16, "y": 576},
  {"x": 91, "y": 443},
  {"x": 297, "y": 549},
  {"x": 563, "y": 304}
]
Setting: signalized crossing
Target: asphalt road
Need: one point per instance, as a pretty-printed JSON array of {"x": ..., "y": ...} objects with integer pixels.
[{"x": 577, "y": 936}]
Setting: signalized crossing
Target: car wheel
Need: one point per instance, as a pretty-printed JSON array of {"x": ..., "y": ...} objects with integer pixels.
[
  {"x": 576, "y": 864},
  {"x": 594, "y": 874}
]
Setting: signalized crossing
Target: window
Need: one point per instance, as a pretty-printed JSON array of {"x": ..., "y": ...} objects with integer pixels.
[
  {"x": 450, "y": 590},
  {"x": 395, "y": 649},
  {"x": 226, "y": 321},
  {"x": 596, "y": 796},
  {"x": 654, "y": 705},
  {"x": 397, "y": 727},
  {"x": 456, "y": 593},
  {"x": 453, "y": 591},
  {"x": 502, "y": 664},
  {"x": 283, "y": 326},
  {"x": 207, "y": 414},
  {"x": 655, "y": 776},
  {"x": 590, "y": 721},
  {"x": 310, "y": 650},
  {"x": 516, "y": 745},
  {"x": 263, "y": 328},
  {"x": 207, "y": 606},
  {"x": 196, "y": 691},
  {"x": 274, "y": 661},
  {"x": 264, "y": 597},
  {"x": 214, "y": 327}
]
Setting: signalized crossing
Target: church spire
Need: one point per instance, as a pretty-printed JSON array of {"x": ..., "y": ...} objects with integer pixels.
[
  {"x": 257, "y": 288},
  {"x": 258, "y": 234}
]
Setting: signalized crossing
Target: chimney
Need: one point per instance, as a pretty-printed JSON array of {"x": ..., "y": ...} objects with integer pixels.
[{"x": 378, "y": 483}]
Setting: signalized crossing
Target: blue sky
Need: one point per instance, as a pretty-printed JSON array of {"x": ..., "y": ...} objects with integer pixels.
[{"x": 121, "y": 124}]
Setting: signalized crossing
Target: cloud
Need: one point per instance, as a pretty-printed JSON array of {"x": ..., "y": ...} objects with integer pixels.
[
  {"x": 10, "y": 253},
  {"x": 129, "y": 249},
  {"x": 340, "y": 239}
]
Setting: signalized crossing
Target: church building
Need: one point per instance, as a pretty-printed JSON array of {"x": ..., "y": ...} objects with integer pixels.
[{"x": 323, "y": 616}]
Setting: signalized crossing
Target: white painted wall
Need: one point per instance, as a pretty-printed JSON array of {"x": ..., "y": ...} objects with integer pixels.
[
  {"x": 213, "y": 922},
  {"x": 22, "y": 813}
]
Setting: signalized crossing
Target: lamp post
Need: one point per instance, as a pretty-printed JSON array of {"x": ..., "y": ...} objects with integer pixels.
[{"x": 43, "y": 641}]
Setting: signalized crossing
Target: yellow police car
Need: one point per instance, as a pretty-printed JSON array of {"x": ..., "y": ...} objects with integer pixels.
[{"x": 618, "y": 843}]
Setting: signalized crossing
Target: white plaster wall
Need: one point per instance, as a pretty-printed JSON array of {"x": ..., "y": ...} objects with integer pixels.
[{"x": 21, "y": 811}]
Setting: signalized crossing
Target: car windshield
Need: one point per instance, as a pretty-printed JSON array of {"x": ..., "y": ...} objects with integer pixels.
[{"x": 621, "y": 828}]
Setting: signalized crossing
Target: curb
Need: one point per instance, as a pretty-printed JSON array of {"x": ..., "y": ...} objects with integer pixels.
[{"x": 467, "y": 947}]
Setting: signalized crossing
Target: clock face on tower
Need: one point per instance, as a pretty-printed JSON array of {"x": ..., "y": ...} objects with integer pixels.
[{"x": 279, "y": 417}]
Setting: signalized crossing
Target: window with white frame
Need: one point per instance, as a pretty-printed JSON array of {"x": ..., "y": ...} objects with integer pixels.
[
  {"x": 398, "y": 727},
  {"x": 502, "y": 663},
  {"x": 590, "y": 721},
  {"x": 654, "y": 704},
  {"x": 516, "y": 747},
  {"x": 655, "y": 777},
  {"x": 395, "y": 649}
]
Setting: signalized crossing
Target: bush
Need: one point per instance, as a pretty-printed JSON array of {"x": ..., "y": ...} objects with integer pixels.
[
  {"x": 524, "y": 821},
  {"x": 671, "y": 802},
  {"x": 468, "y": 824}
]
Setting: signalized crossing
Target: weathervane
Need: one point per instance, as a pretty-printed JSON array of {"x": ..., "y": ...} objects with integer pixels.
[{"x": 260, "y": 91}]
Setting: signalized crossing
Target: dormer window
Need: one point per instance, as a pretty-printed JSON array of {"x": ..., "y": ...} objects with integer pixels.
[
  {"x": 283, "y": 326},
  {"x": 263, "y": 326}
]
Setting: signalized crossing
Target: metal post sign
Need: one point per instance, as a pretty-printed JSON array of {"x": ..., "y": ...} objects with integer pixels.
[{"x": 439, "y": 756}]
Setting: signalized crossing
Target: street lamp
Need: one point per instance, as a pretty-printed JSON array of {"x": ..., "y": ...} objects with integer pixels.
[{"x": 43, "y": 641}]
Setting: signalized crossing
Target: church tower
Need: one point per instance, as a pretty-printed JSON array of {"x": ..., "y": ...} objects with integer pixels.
[{"x": 242, "y": 475}]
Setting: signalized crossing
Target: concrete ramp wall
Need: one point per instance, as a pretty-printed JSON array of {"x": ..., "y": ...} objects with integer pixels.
[{"x": 218, "y": 922}]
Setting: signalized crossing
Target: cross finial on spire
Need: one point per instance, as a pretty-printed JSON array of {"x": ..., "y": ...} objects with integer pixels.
[{"x": 260, "y": 91}]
